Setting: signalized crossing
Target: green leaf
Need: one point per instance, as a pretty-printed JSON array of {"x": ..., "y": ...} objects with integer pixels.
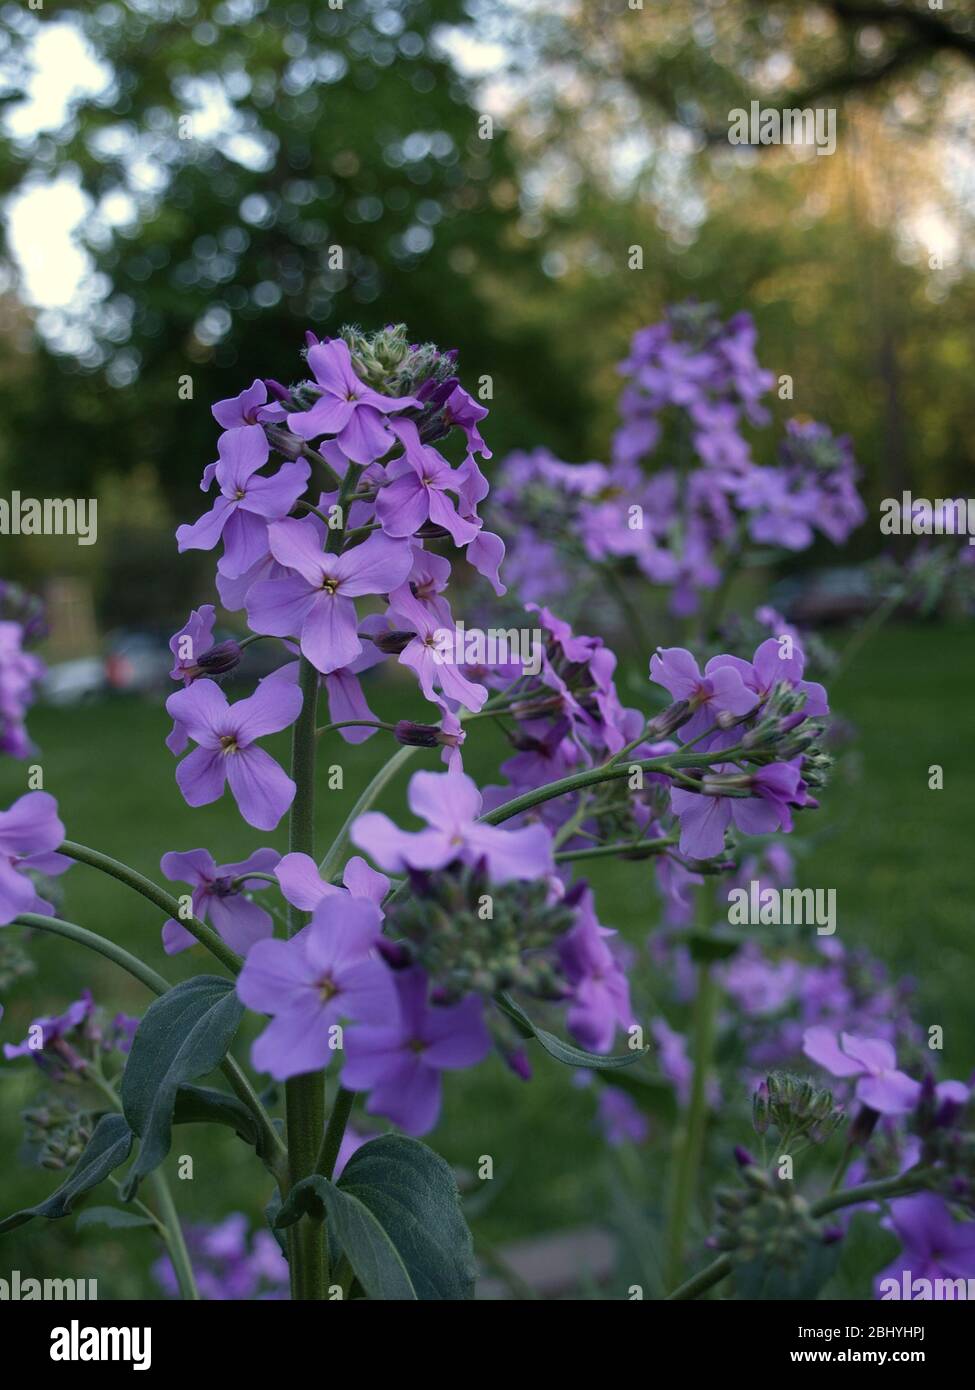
[
  {"x": 413, "y": 1193},
  {"x": 395, "y": 1213},
  {"x": 204, "y": 1105},
  {"x": 562, "y": 1051},
  {"x": 367, "y": 1247},
  {"x": 116, "y": 1217},
  {"x": 184, "y": 1035},
  {"x": 109, "y": 1146}
]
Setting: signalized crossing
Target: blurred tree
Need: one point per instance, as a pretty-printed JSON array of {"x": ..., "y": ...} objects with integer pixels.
[{"x": 253, "y": 168}]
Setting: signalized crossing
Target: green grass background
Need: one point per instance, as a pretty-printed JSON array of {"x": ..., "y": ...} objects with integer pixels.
[{"x": 898, "y": 854}]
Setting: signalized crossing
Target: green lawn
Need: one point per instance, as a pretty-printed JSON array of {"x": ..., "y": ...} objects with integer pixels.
[{"x": 897, "y": 853}]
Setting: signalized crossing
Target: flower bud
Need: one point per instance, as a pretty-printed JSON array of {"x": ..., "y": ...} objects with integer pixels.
[
  {"x": 417, "y": 735},
  {"x": 220, "y": 659},
  {"x": 392, "y": 643},
  {"x": 760, "y": 1109},
  {"x": 664, "y": 724}
]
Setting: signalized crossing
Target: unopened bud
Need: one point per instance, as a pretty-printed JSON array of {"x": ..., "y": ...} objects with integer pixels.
[
  {"x": 392, "y": 643},
  {"x": 220, "y": 659},
  {"x": 760, "y": 1113},
  {"x": 664, "y": 724},
  {"x": 417, "y": 735}
]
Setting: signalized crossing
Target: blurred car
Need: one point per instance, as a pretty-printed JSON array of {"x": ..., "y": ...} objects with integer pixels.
[
  {"x": 137, "y": 661},
  {"x": 822, "y": 597},
  {"x": 73, "y": 682}
]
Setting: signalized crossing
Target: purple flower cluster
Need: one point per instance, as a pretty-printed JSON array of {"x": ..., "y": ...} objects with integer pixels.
[
  {"x": 229, "y": 1262},
  {"x": 30, "y": 833},
  {"x": 298, "y": 558},
  {"x": 339, "y": 986},
  {"x": 68, "y": 1043},
  {"x": 692, "y": 384},
  {"x": 21, "y": 622}
]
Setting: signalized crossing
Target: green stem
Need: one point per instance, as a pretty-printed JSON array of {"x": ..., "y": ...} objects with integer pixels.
[
  {"x": 167, "y": 1223},
  {"x": 175, "y": 1240},
  {"x": 168, "y": 904},
  {"x": 117, "y": 954},
  {"x": 691, "y": 1145},
  {"x": 237, "y": 1079},
  {"x": 355, "y": 724},
  {"x": 305, "y": 1095},
  {"x": 335, "y": 1132},
  {"x": 883, "y": 1189},
  {"x": 608, "y": 772},
  {"x": 623, "y": 847}
]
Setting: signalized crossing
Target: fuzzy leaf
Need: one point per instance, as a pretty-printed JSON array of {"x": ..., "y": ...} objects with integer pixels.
[{"x": 184, "y": 1035}]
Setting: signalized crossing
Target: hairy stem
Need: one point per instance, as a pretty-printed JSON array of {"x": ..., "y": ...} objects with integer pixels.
[
  {"x": 691, "y": 1142},
  {"x": 305, "y": 1095},
  {"x": 175, "y": 1240},
  {"x": 335, "y": 1132},
  {"x": 669, "y": 763}
]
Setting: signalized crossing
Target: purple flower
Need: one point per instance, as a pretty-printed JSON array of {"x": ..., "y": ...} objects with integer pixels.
[
  {"x": 718, "y": 690},
  {"x": 620, "y": 1118},
  {"x": 881, "y": 1086},
  {"x": 53, "y": 1034},
  {"x": 600, "y": 993},
  {"x": 315, "y": 601},
  {"x": 304, "y": 887},
  {"x": 450, "y": 803},
  {"x": 329, "y": 972},
  {"x": 676, "y": 1065},
  {"x": 400, "y": 1062},
  {"x": 249, "y": 408},
  {"x": 193, "y": 639},
  {"x": 219, "y": 897},
  {"x": 704, "y": 817},
  {"x": 224, "y": 1266},
  {"x": 19, "y": 673},
  {"x": 429, "y": 653},
  {"x": 462, "y": 409},
  {"x": 247, "y": 501},
  {"x": 935, "y": 1247},
  {"x": 227, "y": 750},
  {"x": 416, "y": 492},
  {"x": 769, "y": 667},
  {"x": 347, "y": 408},
  {"x": 30, "y": 832}
]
